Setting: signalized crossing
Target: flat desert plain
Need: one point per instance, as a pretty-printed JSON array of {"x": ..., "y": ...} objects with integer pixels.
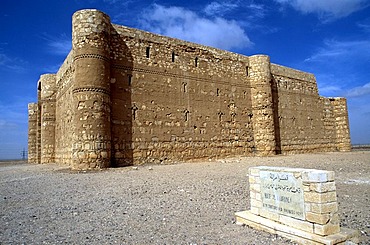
[{"x": 183, "y": 203}]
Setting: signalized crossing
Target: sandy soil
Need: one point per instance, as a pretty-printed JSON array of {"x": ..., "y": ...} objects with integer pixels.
[{"x": 185, "y": 203}]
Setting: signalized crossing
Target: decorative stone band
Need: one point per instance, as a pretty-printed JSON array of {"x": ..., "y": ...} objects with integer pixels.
[
  {"x": 261, "y": 107},
  {"x": 165, "y": 73},
  {"x": 91, "y": 89},
  {"x": 48, "y": 119},
  {"x": 91, "y": 56},
  {"x": 48, "y": 99}
]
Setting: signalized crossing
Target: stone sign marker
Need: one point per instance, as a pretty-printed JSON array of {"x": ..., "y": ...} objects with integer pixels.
[
  {"x": 300, "y": 204},
  {"x": 282, "y": 192}
]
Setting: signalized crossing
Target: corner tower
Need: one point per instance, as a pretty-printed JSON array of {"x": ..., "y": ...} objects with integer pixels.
[
  {"x": 32, "y": 132},
  {"x": 47, "y": 85},
  {"x": 91, "y": 146},
  {"x": 262, "y": 105},
  {"x": 340, "y": 111}
]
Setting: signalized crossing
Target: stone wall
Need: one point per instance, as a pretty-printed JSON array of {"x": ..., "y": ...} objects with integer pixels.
[
  {"x": 180, "y": 102},
  {"x": 299, "y": 112},
  {"x": 64, "y": 112},
  {"x": 125, "y": 96}
]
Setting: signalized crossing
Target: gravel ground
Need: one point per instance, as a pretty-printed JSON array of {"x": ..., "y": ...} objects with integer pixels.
[{"x": 185, "y": 203}]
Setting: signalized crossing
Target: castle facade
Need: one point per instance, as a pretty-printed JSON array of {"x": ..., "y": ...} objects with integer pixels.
[{"x": 125, "y": 96}]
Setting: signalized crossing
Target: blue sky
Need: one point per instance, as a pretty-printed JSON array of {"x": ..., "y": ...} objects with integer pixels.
[{"x": 329, "y": 38}]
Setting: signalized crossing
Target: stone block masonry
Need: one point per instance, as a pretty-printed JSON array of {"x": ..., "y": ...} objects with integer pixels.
[
  {"x": 32, "y": 132},
  {"x": 300, "y": 204},
  {"x": 125, "y": 96}
]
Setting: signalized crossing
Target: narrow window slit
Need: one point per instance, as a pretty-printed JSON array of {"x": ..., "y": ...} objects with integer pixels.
[
  {"x": 185, "y": 87},
  {"x": 173, "y": 56},
  {"x": 186, "y": 115},
  {"x": 134, "y": 112},
  {"x": 148, "y": 52},
  {"x": 220, "y": 114},
  {"x": 233, "y": 115},
  {"x": 129, "y": 80}
]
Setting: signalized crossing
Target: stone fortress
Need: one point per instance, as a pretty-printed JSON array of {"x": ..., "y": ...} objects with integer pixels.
[{"x": 125, "y": 97}]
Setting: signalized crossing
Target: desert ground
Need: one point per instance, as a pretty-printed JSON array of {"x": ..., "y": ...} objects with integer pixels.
[{"x": 183, "y": 203}]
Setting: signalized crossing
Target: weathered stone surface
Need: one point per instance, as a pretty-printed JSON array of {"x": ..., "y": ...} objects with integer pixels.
[
  {"x": 315, "y": 197},
  {"x": 317, "y": 218},
  {"x": 318, "y": 176},
  {"x": 343, "y": 236},
  {"x": 296, "y": 223},
  {"x": 327, "y": 229},
  {"x": 282, "y": 193},
  {"x": 323, "y": 187},
  {"x": 125, "y": 96},
  {"x": 322, "y": 208}
]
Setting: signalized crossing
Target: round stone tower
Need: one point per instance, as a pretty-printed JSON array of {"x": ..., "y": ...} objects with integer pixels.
[
  {"x": 91, "y": 92},
  {"x": 38, "y": 124},
  {"x": 47, "y": 102},
  {"x": 32, "y": 132},
  {"x": 262, "y": 105}
]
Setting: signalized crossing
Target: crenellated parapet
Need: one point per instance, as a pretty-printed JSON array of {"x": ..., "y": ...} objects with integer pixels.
[{"x": 91, "y": 147}]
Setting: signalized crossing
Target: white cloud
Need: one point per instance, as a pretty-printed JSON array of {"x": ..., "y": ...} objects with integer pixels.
[
  {"x": 51, "y": 68},
  {"x": 329, "y": 84},
  {"x": 13, "y": 64},
  {"x": 219, "y": 8},
  {"x": 58, "y": 45},
  {"x": 329, "y": 89},
  {"x": 364, "y": 25},
  {"x": 111, "y": 1},
  {"x": 61, "y": 47},
  {"x": 258, "y": 10},
  {"x": 341, "y": 67},
  {"x": 187, "y": 25},
  {"x": 13, "y": 110},
  {"x": 341, "y": 50},
  {"x": 13, "y": 124},
  {"x": 359, "y": 117},
  {"x": 3, "y": 59},
  {"x": 122, "y": 2},
  {"x": 359, "y": 91},
  {"x": 250, "y": 11},
  {"x": 327, "y": 9}
]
